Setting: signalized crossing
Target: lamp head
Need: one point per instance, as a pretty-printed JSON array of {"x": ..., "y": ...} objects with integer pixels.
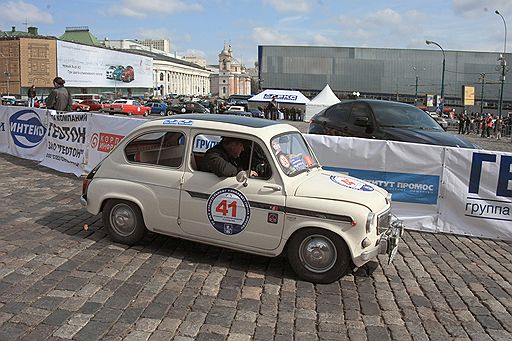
[
  {"x": 497, "y": 12},
  {"x": 428, "y": 42}
]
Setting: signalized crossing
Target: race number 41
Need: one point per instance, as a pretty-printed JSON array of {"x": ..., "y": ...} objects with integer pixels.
[{"x": 228, "y": 211}]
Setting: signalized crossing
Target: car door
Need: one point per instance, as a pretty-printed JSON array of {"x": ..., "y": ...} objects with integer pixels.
[
  {"x": 336, "y": 119},
  {"x": 361, "y": 122},
  {"x": 227, "y": 212}
]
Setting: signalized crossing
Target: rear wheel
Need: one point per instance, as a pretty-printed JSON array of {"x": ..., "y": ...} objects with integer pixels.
[
  {"x": 124, "y": 222},
  {"x": 146, "y": 113},
  {"x": 318, "y": 255}
]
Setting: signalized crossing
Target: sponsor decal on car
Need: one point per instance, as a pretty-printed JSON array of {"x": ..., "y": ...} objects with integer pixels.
[
  {"x": 179, "y": 122},
  {"x": 27, "y": 130},
  {"x": 283, "y": 160},
  {"x": 228, "y": 211},
  {"x": 351, "y": 183}
]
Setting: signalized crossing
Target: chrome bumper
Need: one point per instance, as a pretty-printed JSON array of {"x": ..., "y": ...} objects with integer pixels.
[{"x": 388, "y": 243}]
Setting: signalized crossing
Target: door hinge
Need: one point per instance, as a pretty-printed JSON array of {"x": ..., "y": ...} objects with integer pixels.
[{"x": 178, "y": 220}]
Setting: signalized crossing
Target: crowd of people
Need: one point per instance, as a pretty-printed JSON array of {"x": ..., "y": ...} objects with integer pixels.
[{"x": 485, "y": 125}]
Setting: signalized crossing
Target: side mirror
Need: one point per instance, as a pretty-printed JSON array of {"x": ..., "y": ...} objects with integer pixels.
[
  {"x": 362, "y": 122},
  {"x": 242, "y": 177}
]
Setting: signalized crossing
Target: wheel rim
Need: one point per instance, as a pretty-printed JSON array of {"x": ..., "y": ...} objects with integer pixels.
[
  {"x": 123, "y": 220},
  {"x": 317, "y": 253}
]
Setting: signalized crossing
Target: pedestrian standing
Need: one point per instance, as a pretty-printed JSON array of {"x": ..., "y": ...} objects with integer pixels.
[
  {"x": 497, "y": 126},
  {"x": 488, "y": 122},
  {"x": 31, "y": 93},
  {"x": 273, "y": 108},
  {"x": 59, "y": 98},
  {"x": 461, "y": 123},
  {"x": 477, "y": 123}
]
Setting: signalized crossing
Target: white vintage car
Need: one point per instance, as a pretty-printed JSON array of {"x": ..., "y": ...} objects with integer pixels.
[{"x": 283, "y": 201}]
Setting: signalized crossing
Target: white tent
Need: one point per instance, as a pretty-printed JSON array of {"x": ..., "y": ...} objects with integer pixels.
[
  {"x": 324, "y": 99},
  {"x": 283, "y": 96}
]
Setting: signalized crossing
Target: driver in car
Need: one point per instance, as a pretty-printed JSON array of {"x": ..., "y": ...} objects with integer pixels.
[{"x": 224, "y": 159}]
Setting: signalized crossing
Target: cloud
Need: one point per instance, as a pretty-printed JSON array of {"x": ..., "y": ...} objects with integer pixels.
[
  {"x": 270, "y": 36},
  {"x": 319, "y": 39},
  {"x": 385, "y": 17},
  {"x": 476, "y": 8},
  {"x": 153, "y": 33},
  {"x": 301, "y": 6},
  {"x": 141, "y": 9},
  {"x": 15, "y": 11}
]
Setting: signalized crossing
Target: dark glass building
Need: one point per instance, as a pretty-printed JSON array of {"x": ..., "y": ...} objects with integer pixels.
[{"x": 393, "y": 74}]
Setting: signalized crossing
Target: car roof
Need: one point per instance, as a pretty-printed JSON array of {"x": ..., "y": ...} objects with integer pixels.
[{"x": 229, "y": 123}]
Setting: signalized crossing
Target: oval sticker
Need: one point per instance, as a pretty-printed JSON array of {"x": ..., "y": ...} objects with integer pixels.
[{"x": 351, "y": 183}]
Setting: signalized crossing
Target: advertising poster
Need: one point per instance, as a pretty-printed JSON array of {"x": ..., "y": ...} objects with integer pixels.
[
  {"x": 65, "y": 144},
  {"x": 24, "y": 129},
  {"x": 410, "y": 172},
  {"x": 477, "y": 200},
  {"x": 469, "y": 94},
  {"x": 104, "y": 134},
  {"x": 88, "y": 66}
]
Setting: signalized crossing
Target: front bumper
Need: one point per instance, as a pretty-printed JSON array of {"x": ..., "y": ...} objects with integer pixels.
[{"x": 387, "y": 244}]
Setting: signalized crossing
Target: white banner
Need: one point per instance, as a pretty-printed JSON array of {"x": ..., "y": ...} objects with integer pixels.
[
  {"x": 4, "y": 130},
  {"x": 410, "y": 172},
  {"x": 65, "y": 145},
  {"x": 24, "y": 129},
  {"x": 104, "y": 133},
  {"x": 477, "y": 199},
  {"x": 88, "y": 66}
]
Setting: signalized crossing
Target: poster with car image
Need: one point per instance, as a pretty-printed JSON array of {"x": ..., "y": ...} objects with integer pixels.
[{"x": 89, "y": 66}]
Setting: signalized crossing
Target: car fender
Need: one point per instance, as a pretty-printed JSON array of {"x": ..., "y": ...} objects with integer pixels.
[{"x": 103, "y": 189}]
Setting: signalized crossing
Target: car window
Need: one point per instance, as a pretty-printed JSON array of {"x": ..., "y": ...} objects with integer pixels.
[
  {"x": 252, "y": 154},
  {"x": 120, "y": 102},
  {"x": 389, "y": 114},
  {"x": 157, "y": 148},
  {"x": 136, "y": 103},
  {"x": 360, "y": 110},
  {"x": 339, "y": 112},
  {"x": 293, "y": 154}
]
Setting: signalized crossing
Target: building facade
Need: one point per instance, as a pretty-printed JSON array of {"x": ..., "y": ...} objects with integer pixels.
[
  {"x": 394, "y": 74},
  {"x": 232, "y": 78}
]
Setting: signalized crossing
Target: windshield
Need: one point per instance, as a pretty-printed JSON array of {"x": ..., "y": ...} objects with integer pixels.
[
  {"x": 293, "y": 154},
  {"x": 398, "y": 115}
]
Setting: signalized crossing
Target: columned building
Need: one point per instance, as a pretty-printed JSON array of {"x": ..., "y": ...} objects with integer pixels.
[{"x": 176, "y": 76}]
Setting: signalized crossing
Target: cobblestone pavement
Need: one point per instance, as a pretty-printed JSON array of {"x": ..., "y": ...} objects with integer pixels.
[{"x": 58, "y": 281}]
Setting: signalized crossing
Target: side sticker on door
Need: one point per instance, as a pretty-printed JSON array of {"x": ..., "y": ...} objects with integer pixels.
[{"x": 228, "y": 211}]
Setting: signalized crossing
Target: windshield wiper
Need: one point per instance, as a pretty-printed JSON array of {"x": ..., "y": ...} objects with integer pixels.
[{"x": 298, "y": 171}]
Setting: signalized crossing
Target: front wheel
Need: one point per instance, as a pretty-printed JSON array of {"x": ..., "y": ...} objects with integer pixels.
[
  {"x": 318, "y": 255},
  {"x": 124, "y": 222},
  {"x": 146, "y": 113}
]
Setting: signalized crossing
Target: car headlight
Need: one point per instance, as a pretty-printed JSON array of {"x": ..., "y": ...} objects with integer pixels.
[{"x": 369, "y": 221}]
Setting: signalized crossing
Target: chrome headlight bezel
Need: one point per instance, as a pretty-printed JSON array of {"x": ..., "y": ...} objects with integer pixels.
[{"x": 369, "y": 221}]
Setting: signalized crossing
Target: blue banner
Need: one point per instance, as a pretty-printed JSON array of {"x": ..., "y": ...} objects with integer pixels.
[{"x": 405, "y": 187}]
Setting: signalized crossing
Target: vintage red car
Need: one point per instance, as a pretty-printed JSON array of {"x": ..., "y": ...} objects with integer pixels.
[
  {"x": 93, "y": 105},
  {"x": 128, "y": 107},
  {"x": 79, "y": 106}
]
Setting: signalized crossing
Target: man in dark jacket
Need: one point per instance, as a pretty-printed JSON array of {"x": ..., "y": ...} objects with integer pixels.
[
  {"x": 224, "y": 159},
  {"x": 59, "y": 98}
]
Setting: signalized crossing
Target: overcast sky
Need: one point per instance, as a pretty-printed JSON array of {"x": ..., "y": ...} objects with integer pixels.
[{"x": 201, "y": 26}]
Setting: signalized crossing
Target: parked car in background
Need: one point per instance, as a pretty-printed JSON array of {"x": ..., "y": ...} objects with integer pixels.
[
  {"x": 383, "y": 120},
  {"x": 79, "y": 106},
  {"x": 21, "y": 102},
  {"x": 283, "y": 203},
  {"x": 8, "y": 100},
  {"x": 93, "y": 104},
  {"x": 441, "y": 120},
  {"x": 128, "y": 107},
  {"x": 257, "y": 113},
  {"x": 237, "y": 110},
  {"x": 159, "y": 108}
]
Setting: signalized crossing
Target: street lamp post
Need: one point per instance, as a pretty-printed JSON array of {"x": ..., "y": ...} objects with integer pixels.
[
  {"x": 482, "y": 75},
  {"x": 503, "y": 64},
  {"x": 429, "y": 42},
  {"x": 416, "y": 84},
  {"x": 7, "y": 73}
]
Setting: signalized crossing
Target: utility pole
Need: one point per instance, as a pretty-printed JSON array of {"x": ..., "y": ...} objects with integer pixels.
[{"x": 482, "y": 75}]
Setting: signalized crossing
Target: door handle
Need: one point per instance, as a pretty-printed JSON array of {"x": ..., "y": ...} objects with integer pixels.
[{"x": 273, "y": 187}]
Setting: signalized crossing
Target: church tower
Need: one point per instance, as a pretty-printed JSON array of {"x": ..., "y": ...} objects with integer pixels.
[{"x": 225, "y": 76}]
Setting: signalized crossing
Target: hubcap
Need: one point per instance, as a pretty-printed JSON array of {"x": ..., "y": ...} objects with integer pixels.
[
  {"x": 123, "y": 220},
  {"x": 317, "y": 253}
]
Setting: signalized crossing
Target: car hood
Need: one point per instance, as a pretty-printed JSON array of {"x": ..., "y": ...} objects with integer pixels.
[
  {"x": 437, "y": 137},
  {"x": 337, "y": 186}
]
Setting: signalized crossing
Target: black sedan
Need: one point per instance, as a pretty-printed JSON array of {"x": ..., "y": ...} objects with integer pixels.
[{"x": 383, "y": 120}]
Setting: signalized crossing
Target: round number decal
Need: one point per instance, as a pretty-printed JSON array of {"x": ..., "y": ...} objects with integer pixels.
[
  {"x": 283, "y": 160},
  {"x": 228, "y": 211}
]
